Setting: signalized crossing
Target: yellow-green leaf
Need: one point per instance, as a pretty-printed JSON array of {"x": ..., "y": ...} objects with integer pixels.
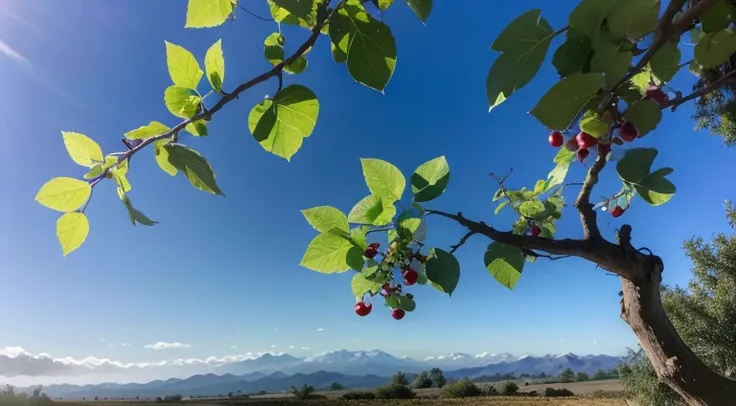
[
  {"x": 162, "y": 157},
  {"x": 197, "y": 128},
  {"x": 64, "y": 194},
  {"x": 72, "y": 229},
  {"x": 383, "y": 179},
  {"x": 208, "y": 13},
  {"x": 152, "y": 129},
  {"x": 181, "y": 102},
  {"x": 214, "y": 63},
  {"x": 82, "y": 149},
  {"x": 183, "y": 67},
  {"x": 193, "y": 165},
  {"x": 330, "y": 253},
  {"x": 361, "y": 285}
]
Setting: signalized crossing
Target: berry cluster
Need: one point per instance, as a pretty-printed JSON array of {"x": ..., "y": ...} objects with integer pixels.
[
  {"x": 393, "y": 257},
  {"x": 583, "y": 142}
]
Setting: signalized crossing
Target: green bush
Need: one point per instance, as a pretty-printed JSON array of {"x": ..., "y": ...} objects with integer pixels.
[
  {"x": 556, "y": 393},
  {"x": 510, "y": 388},
  {"x": 8, "y": 397},
  {"x": 359, "y": 396},
  {"x": 394, "y": 391},
  {"x": 488, "y": 390},
  {"x": 422, "y": 381},
  {"x": 461, "y": 389}
]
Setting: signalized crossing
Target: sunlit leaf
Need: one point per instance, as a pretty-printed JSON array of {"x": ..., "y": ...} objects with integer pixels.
[
  {"x": 430, "y": 179},
  {"x": 147, "y": 131},
  {"x": 715, "y": 48},
  {"x": 183, "y": 67},
  {"x": 197, "y": 170},
  {"x": 330, "y": 253},
  {"x": 64, "y": 194},
  {"x": 181, "y": 102},
  {"x": 505, "y": 263},
  {"x": 208, "y": 13},
  {"x": 214, "y": 63},
  {"x": 326, "y": 218},
  {"x": 383, "y": 179},
  {"x": 559, "y": 106},
  {"x": 83, "y": 150},
  {"x": 72, "y": 230}
]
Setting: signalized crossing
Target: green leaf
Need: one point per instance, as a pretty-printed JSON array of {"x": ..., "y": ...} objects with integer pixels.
[
  {"x": 326, "y": 218},
  {"x": 143, "y": 219},
  {"x": 645, "y": 115},
  {"x": 572, "y": 56},
  {"x": 214, "y": 63},
  {"x": 715, "y": 48},
  {"x": 83, "y": 150},
  {"x": 666, "y": 62},
  {"x": 94, "y": 172},
  {"x": 372, "y": 210},
  {"x": 636, "y": 164},
  {"x": 181, "y": 102},
  {"x": 208, "y": 13},
  {"x": 383, "y": 5},
  {"x": 361, "y": 286},
  {"x": 588, "y": 16},
  {"x": 633, "y": 18},
  {"x": 197, "y": 128},
  {"x": 392, "y": 301},
  {"x": 500, "y": 206},
  {"x": 72, "y": 230},
  {"x": 421, "y": 8},
  {"x": 559, "y": 106},
  {"x": 430, "y": 179},
  {"x": 298, "y": 8},
  {"x": 273, "y": 48},
  {"x": 564, "y": 156},
  {"x": 407, "y": 304},
  {"x": 443, "y": 270},
  {"x": 717, "y": 17},
  {"x": 147, "y": 131},
  {"x": 531, "y": 208},
  {"x": 330, "y": 253},
  {"x": 282, "y": 15},
  {"x": 556, "y": 176},
  {"x": 197, "y": 170},
  {"x": 383, "y": 179},
  {"x": 298, "y": 66},
  {"x": 64, "y": 194},
  {"x": 593, "y": 125},
  {"x": 408, "y": 225},
  {"x": 523, "y": 43},
  {"x": 505, "y": 263},
  {"x": 611, "y": 62},
  {"x": 280, "y": 124},
  {"x": 357, "y": 234},
  {"x": 365, "y": 43},
  {"x": 183, "y": 67},
  {"x": 655, "y": 189},
  {"x": 162, "y": 157}
]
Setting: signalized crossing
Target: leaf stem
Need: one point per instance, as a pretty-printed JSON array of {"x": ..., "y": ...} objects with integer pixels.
[{"x": 674, "y": 103}]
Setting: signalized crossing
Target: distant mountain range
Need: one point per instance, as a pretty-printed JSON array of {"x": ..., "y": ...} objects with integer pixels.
[{"x": 351, "y": 369}]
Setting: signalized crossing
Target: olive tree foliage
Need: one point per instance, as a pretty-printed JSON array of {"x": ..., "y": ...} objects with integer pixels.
[{"x": 615, "y": 59}]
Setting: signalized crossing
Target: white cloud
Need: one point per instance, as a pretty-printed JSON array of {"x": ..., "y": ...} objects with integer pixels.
[
  {"x": 291, "y": 347},
  {"x": 320, "y": 329},
  {"x": 233, "y": 346},
  {"x": 162, "y": 345},
  {"x": 305, "y": 348},
  {"x": 273, "y": 345},
  {"x": 126, "y": 344},
  {"x": 112, "y": 344},
  {"x": 16, "y": 361}
]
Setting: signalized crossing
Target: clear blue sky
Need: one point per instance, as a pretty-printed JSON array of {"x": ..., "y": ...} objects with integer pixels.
[{"x": 219, "y": 272}]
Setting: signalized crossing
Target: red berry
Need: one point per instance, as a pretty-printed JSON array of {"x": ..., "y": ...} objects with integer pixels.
[
  {"x": 374, "y": 245},
  {"x": 370, "y": 252},
  {"x": 582, "y": 154},
  {"x": 536, "y": 231},
  {"x": 362, "y": 309},
  {"x": 617, "y": 211},
  {"x": 656, "y": 95},
  {"x": 410, "y": 276},
  {"x": 617, "y": 141},
  {"x": 572, "y": 144},
  {"x": 556, "y": 139},
  {"x": 628, "y": 131},
  {"x": 585, "y": 140},
  {"x": 398, "y": 314},
  {"x": 421, "y": 258}
]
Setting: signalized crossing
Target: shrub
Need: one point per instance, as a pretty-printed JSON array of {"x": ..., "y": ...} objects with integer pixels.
[
  {"x": 488, "y": 390},
  {"x": 422, "y": 381},
  {"x": 359, "y": 396},
  {"x": 510, "y": 388},
  {"x": 394, "y": 391},
  {"x": 305, "y": 392},
  {"x": 336, "y": 386},
  {"x": 400, "y": 378},
  {"x": 461, "y": 389},
  {"x": 556, "y": 393}
]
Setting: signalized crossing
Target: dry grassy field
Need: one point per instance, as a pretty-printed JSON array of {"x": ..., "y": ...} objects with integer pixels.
[{"x": 480, "y": 401}]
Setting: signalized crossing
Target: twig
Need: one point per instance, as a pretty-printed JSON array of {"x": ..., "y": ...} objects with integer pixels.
[
  {"x": 462, "y": 241},
  {"x": 582, "y": 203},
  {"x": 550, "y": 257},
  {"x": 254, "y": 14},
  {"x": 674, "y": 103}
]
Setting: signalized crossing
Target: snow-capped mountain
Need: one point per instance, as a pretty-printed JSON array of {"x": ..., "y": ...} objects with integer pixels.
[{"x": 457, "y": 360}]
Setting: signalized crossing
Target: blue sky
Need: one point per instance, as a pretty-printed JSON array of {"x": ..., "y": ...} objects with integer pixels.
[{"x": 223, "y": 272}]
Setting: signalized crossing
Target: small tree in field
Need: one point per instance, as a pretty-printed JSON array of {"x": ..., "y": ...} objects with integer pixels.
[
  {"x": 399, "y": 378},
  {"x": 567, "y": 375},
  {"x": 615, "y": 64}
]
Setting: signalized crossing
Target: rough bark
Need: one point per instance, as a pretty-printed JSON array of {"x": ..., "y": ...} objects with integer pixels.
[{"x": 674, "y": 362}]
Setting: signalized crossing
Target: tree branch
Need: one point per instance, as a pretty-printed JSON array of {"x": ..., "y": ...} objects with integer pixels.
[
  {"x": 674, "y": 103},
  {"x": 276, "y": 71},
  {"x": 462, "y": 241},
  {"x": 588, "y": 215}
]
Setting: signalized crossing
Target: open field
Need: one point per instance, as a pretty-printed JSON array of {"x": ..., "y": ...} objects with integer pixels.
[{"x": 479, "y": 401}]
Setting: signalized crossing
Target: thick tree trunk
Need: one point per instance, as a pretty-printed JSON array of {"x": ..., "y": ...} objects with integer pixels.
[{"x": 675, "y": 363}]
